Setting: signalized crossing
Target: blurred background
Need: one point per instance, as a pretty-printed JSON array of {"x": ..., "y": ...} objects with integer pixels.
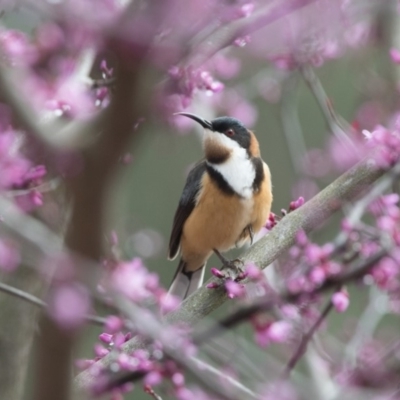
[{"x": 274, "y": 99}]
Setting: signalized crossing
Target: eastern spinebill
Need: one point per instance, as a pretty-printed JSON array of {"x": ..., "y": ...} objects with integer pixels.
[{"x": 226, "y": 199}]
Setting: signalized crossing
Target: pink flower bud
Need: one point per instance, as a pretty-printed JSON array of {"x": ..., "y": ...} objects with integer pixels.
[
  {"x": 178, "y": 379},
  {"x": 113, "y": 324},
  {"x": 340, "y": 301},
  {"x": 279, "y": 331},
  {"x": 100, "y": 351},
  {"x": 395, "y": 55},
  {"x": 301, "y": 238},
  {"x": 218, "y": 273},
  {"x": 234, "y": 289},
  {"x": 153, "y": 378},
  {"x": 212, "y": 285},
  {"x": 105, "y": 338},
  {"x": 253, "y": 272}
]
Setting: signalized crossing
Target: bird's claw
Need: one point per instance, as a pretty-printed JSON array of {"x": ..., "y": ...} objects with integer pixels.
[{"x": 233, "y": 268}]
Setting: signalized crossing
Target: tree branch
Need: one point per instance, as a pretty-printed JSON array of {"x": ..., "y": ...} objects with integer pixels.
[
  {"x": 30, "y": 298},
  {"x": 308, "y": 217},
  {"x": 301, "y": 349}
]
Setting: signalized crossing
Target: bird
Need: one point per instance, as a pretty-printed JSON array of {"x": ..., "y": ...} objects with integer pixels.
[{"x": 226, "y": 200}]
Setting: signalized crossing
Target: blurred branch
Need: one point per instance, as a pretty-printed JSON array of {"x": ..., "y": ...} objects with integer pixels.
[
  {"x": 335, "y": 124},
  {"x": 149, "y": 326},
  {"x": 304, "y": 341},
  {"x": 308, "y": 217},
  {"x": 228, "y": 33},
  {"x": 152, "y": 393},
  {"x": 366, "y": 325},
  {"x": 290, "y": 123},
  {"x": 88, "y": 193},
  {"x": 29, "y": 228},
  {"x": 21, "y": 294},
  {"x": 235, "y": 383},
  {"x": 21, "y": 107},
  {"x": 53, "y": 134}
]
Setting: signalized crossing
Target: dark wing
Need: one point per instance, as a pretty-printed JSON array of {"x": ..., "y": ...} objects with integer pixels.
[{"x": 185, "y": 207}]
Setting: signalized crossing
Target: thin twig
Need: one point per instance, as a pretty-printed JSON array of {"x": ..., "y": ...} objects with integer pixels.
[
  {"x": 290, "y": 123},
  {"x": 21, "y": 294},
  {"x": 333, "y": 121},
  {"x": 105, "y": 82},
  {"x": 366, "y": 325},
  {"x": 152, "y": 393},
  {"x": 304, "y": 341}
]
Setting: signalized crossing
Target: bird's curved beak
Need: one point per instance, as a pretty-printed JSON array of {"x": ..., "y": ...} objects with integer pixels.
[{"x": 203, "y": 122}]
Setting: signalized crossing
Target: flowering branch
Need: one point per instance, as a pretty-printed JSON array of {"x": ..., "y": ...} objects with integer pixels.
[
  {"x": 229, "y": 33},
  {"x": 308, "y": 217},
  {"x": 84, "y": 235}
]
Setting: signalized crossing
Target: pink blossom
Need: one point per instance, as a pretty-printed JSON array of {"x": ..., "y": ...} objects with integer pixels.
[
  {"x": 178, "y": 379},
  {"x": 49, "y": 37},
  {"x": 317, "y": 275},
  {"x": 168, "y": 302},
  {"x": 385, "y": 272},
  {"x": 127, "y": 362},
  {"x": 217, "y": 273},
  {"x": 68, "y": 305},
  {"x": 301, "y": 238},
  {"x": 131, "y": 279},
  {"x": 395, "y": 55},
  {"x": 294, "y": 205},
  {"x": 118, "y": 340},
  {"x": 105, "y": 338},
  {"x": 279, "y": 331},
  {"x": 226, "y": 67},
  {"x": 17, "y": 47},
  {"x": 253, "y": 272},
  {"x": 153, "y": 378},
  {"x": 113, "y": 324},
  {"x": 340, "y": 301},
  {"x": 271, "y": 222},
  {"x": 247, "y": 9},
  {"x": 234, "y": 289},
  {"x": 100, "y": 350}
]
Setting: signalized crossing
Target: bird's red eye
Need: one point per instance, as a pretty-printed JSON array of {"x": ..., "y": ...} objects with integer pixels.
[{"x": 229, "y": 132}]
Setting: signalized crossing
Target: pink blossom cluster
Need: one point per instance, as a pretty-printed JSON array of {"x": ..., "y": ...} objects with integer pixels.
[
  {"x": 185, "y": 81},
  {"x": 386, "y": 142},
  {"x": 20, "y": 179},
  {"x": 149, "y": 364},
  {"x": 51, "y": 68}
]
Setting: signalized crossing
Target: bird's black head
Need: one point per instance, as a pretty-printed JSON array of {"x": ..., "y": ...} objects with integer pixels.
[
  {"x": 233, "y": 129},
  {"x": 228, "y": 126}
]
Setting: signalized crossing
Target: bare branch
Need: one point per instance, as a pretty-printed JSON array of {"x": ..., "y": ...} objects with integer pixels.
[
  {"x": 21, "y": 294},
  {"x": 335, "y": 124},
  {"x": 304, "y": 341}
]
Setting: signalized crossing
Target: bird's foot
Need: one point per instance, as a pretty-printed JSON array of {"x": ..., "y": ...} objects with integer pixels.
[{"x": 233, "y": 268}]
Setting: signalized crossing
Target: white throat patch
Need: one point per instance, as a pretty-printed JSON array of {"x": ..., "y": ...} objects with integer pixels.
[{"x": 238, "y": 170}]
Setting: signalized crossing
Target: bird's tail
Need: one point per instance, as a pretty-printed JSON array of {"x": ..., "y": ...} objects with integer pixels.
[{"x": 185, "y": 283}]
